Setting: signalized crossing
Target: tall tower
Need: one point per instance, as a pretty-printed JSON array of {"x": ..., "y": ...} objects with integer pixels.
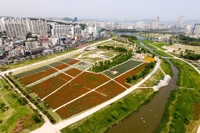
[{"x": 179, "y": 22}]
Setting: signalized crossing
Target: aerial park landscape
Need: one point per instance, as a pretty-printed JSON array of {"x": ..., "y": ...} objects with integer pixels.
[{"x": 102, "y": 81}]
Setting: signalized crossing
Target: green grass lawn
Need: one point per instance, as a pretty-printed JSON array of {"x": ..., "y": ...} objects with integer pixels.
[
  {"x": 165, "y": 66},
  {"x": 180, "y": 115},
  {"x": 160, "y": 45},
  {"x": 148, "y": 44},
  {"x": 15, "y": 111},
  {"x": 100, "y": 121},
  {"x": 122, "y": 68},
  {"x": 161, "y": 53}
]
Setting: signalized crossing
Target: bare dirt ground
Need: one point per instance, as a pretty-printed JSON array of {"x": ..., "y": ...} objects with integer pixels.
[{"x": 183, "y": 48}]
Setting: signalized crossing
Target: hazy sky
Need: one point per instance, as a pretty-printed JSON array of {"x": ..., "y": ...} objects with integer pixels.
[{"x": 103, "y": 9}]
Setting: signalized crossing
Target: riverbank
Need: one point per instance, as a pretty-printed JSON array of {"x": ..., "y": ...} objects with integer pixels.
[
  {"x": 182, "y": 110},
  {"x": 102, "y": 120}
]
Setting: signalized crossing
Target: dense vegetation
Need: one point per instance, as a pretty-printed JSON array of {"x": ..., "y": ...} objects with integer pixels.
[
  {"x": 130, "y": 38},
  {"x": 83, "y": 26},
  {"x": 189, "y": 54},
  {"x": 118, "y": 59},
  {"x": 13, "y": 111},
  {"x": 183, "y": 106},
  {"x": 141, "y": 74},
  {"x": 100, "y": 121},
  {"x": 189, "y": 41}
]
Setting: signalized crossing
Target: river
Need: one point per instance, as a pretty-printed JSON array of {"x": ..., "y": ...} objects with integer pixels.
[{"x": 149, "y": 116}]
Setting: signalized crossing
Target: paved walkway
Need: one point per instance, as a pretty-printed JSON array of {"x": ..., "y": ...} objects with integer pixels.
[{"x": 55, "y": 128}]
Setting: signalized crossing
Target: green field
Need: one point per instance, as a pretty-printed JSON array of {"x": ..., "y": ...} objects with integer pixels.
[
  {"x": 161, "y": 53},
  {"x": 166, "y": 67},
  {"x": 182, "y": 110},
  {"x": 100, "y": 121},
  {"x": 14, "y": 112},
  {"x": 160, "y": 45},
  {"x": 149, "y": 44},
  {"x": 122, "y": 68}
]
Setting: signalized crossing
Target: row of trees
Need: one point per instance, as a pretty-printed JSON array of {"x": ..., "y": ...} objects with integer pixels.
[
  {"x": 25, "y": 91},
  {"x": 118, "y": 59},
  {"x": 190, "y": 55},
  {"x": 130, "y": 38},
  {"x": 141, "y": 74},
  {"x": 117, "y": 49},
  {"x": 189, "y": 41}
]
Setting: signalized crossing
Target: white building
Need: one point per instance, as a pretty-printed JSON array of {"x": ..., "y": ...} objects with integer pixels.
[
  {"x": 60, "y": 30},
  {"x": 180, "y": 22},
  {"x": 30, "y": 46},
  {"x": 189, "y": 28},
  {"x": 139, "y": 25},
  {"x": 18, "y": 27},
  {"x": 76, "y": 30},
  {"x": 154, "y": 23},
  {"x": 196, "y": 30}
]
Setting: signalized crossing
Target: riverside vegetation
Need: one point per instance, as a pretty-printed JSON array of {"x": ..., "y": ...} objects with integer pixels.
[{"x": 182, "y": 110}]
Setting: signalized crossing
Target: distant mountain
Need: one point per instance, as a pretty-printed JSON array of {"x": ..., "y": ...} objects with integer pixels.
[
  {"x": 192, "y": 22},
  {"x": 67, "y": 19}
]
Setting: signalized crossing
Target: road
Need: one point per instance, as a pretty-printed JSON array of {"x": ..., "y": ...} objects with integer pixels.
[{"x": 54, "y": 128}]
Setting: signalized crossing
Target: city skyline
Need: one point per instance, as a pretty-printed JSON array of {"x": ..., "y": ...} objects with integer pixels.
[{"x": 114, "y": 10}]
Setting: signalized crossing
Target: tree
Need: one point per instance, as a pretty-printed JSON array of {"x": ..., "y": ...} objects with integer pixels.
[
  {"x": 128, "y": 80},
  {"x": 134, "y": 77},
  {"x": 36, "y": 118}
]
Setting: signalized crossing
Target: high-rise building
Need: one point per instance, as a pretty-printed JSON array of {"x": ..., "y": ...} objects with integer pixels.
[
  {"x": 60, "y": 30},
  {"x": 16, "y": 27},
  {"x": 139, "y": 25},
  {"x": 189, "y": 29},
  {"x": 75, "y": 19},
  {"x": 154, "y": 23},
  {"x": 76, "y": 30},
  {"x": 179, "y": 22},
  {"x": 196, "y": 29}
]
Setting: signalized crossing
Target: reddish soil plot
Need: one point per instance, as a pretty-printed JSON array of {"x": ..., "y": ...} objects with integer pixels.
[
  {"x": 86, "y": 102},
  {"x": 50, "y": 85},
  {"x": 65, "y": 94},
  {"x": 62, "y": 66},
  {"x": 90, "y": 80},
  {"x": 34, "y": 77},
  {"x": 73, "y": 62},
  {"x": 122, "y": 79},
  {"x": 111, "y": 89},
  {"x": 73, "y": 72}
]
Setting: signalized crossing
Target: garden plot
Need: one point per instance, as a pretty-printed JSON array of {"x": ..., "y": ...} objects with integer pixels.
[
  {"x": 116, "y": 71},
  {"x": 122, "y": 79},
  {"x": 27, "y": 73},
  {"x": 90, "y": 80},
  {"x": 50, "y": 85},
  {"x": 34, "y": 77},
  {"x": 65, "y": 94},
  {"x": 73, "y": 72},
  {"x": 79, "y": 105},
  {"x": 111, "y": 89}
]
